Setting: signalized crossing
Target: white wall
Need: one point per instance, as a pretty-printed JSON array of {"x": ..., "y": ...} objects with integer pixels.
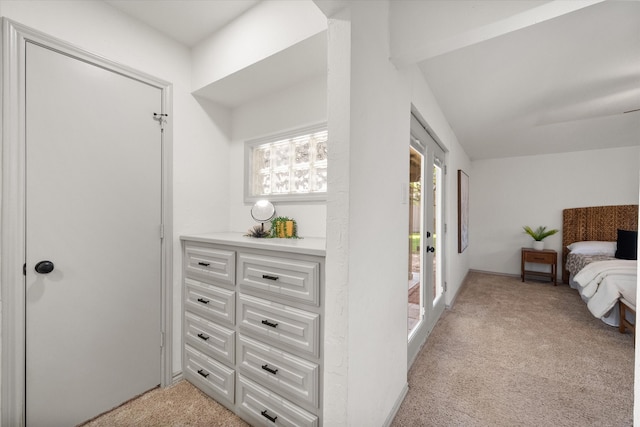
[
  {"x": 369, "y": 114},
  {"x": 262, "y": 31},
  {"x": 200, "y": 146},
  {"x": 508, "y": 193},
  {"x": 378, "y": 220},
  {"x": 301, "y": 105}
]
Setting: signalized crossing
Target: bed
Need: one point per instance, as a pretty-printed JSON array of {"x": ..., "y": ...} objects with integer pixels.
[{"x": 591, "y": 239}]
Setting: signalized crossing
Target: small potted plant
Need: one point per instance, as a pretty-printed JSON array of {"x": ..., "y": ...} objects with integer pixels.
[
  {"x": 284, "y": 227},
  {"x": 538, "y": 235}
]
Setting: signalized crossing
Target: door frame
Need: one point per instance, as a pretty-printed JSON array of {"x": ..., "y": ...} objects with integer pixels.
[
  {"x": 431, "y": 314},
  {"x": 12, "y": 221}
]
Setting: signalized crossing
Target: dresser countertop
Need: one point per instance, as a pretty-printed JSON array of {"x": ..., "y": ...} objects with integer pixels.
[{"x": 307, "y": 245}]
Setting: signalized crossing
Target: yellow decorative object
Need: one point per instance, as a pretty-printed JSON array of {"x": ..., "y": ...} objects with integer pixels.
[{"x": 284, "y": 227}]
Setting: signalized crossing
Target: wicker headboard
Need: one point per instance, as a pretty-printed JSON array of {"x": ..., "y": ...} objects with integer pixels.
[{"x": 599, "y": 223}]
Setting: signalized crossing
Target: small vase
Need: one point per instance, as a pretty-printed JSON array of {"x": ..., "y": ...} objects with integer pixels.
[{"x": 538, "y": 245}]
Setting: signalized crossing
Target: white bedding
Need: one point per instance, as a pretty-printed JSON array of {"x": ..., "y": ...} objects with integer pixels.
[{"x": 602, "y": 283}]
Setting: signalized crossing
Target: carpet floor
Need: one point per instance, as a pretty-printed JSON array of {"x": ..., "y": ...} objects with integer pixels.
[
  {"x": 520, "y": 354},
  {"x": 507, "y": 354}
]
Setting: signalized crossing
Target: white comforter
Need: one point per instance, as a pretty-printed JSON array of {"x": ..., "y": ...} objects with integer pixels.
[{"x": 602, "y": 283}]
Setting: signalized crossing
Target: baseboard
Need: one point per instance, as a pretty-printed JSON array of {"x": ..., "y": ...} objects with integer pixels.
[
  {"x": 462, "y": 285},
  {"x": 493, "y": 273},
  {"x": 396, "y": 406},
  {"x": 177, "y": 377}
]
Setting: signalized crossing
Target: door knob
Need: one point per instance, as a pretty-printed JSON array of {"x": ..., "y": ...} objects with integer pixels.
[
  {"x": 431, "y": 249},
  {"x": 44, "y": 267}
]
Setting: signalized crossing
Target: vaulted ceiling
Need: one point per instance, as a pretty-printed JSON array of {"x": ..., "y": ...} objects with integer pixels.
[{"x": 524, "y": 78}]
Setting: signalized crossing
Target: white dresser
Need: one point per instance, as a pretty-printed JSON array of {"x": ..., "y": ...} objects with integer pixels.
[{"x": 252, "y": 325}]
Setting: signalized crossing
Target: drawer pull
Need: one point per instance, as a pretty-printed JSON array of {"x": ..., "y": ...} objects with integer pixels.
[
  {"x": 268, "y": 369},
  {"x": 266, "y": 276},
  {"x": 204, "y": 264},
  {"x": 266, "y": 322},
  {"x": 269, "y": 417},
  {"x": 204, "y": 301},
  {"x": 203, "y": 336},
  {"x": 203, "y": 373}
]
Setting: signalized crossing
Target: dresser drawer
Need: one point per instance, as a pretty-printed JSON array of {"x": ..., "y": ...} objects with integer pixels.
[
  {"x": 540, "y": 257},
  {"x": 210, "y": 376},
  {"x": 211, "y": 339},
  {"x": 209, "y": 264},
  {"x": 265, "y": 408},
  {"x": 288, "y": 375},
  {"x": 280, "y": 324},
  {"x": 209, "y": 301},
  {"x": 293, "y": 280}
]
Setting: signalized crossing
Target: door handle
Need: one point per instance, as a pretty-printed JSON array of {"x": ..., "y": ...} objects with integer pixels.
[{"x": 44, "y": 267}]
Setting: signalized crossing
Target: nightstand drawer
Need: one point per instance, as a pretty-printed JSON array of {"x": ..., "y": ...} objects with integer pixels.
[{"x": 540, "y": 257}]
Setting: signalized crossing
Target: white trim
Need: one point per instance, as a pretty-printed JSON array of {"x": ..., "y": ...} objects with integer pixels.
[
  {"x": 248, "y": 168},
  {"x": 396, "y": 405},
  {"x": 12, "y": 197}
]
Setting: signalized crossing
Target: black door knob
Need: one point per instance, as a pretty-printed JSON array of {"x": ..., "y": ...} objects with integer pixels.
[
  {"x": 44, "y": 267},
  {"x": 431, "y": 249}
]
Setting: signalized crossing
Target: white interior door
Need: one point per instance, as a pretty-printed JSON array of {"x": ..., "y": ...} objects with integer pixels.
[{"x": 93, "y": 203}]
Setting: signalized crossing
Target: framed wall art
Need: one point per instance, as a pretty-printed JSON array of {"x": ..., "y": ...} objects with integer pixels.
[{"x": 463, "y": 211}]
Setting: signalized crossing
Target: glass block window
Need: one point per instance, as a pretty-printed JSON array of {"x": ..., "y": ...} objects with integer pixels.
[{"x": 288, "y": 166}]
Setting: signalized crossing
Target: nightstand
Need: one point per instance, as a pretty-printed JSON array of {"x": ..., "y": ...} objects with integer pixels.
[{"x": 546, "y": 256}]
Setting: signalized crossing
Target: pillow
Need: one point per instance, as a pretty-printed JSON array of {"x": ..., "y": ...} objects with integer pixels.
[
  {"x": 593, "y": 248},
  {"x": 627, "y": 244}
]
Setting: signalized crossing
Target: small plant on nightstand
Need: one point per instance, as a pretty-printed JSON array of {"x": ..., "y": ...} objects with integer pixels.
[{"x": 538, "y": 235}]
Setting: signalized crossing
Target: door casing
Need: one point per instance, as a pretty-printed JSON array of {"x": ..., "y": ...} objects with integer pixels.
[
  {"x": 428, "y": 146},
  {"x": 12, "y": 221}
]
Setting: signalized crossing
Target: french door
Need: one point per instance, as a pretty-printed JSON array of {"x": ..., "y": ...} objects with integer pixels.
[{"x": 426, "y": 237}]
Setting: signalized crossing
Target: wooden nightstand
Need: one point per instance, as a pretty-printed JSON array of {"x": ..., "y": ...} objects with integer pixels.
[{"x": 546, "y": 256}]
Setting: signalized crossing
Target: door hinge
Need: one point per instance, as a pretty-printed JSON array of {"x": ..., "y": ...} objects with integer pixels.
[
  {"x": 445, "y": 227},
  {"x": 422, "y": 311},
  {"x": 24, "y": 269},
  {"x": 161, "y": 119},
  {"x": 445, "y": 286},
  {"x": 162, "y": 231},
  {"x": 161, "y": 339}
]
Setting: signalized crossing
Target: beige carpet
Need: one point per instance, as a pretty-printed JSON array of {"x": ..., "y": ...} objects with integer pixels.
[
  {"x": 179, "y": 405},
  {"x": 520, "y": 354},
  {"x": 507, "y": 354}
]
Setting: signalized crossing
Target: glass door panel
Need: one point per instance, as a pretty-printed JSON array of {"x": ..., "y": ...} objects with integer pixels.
[
  {"x": 426, "y": 237},
  {"x": 415, "y": 297},
  {"x": 438, "y": 231}
]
